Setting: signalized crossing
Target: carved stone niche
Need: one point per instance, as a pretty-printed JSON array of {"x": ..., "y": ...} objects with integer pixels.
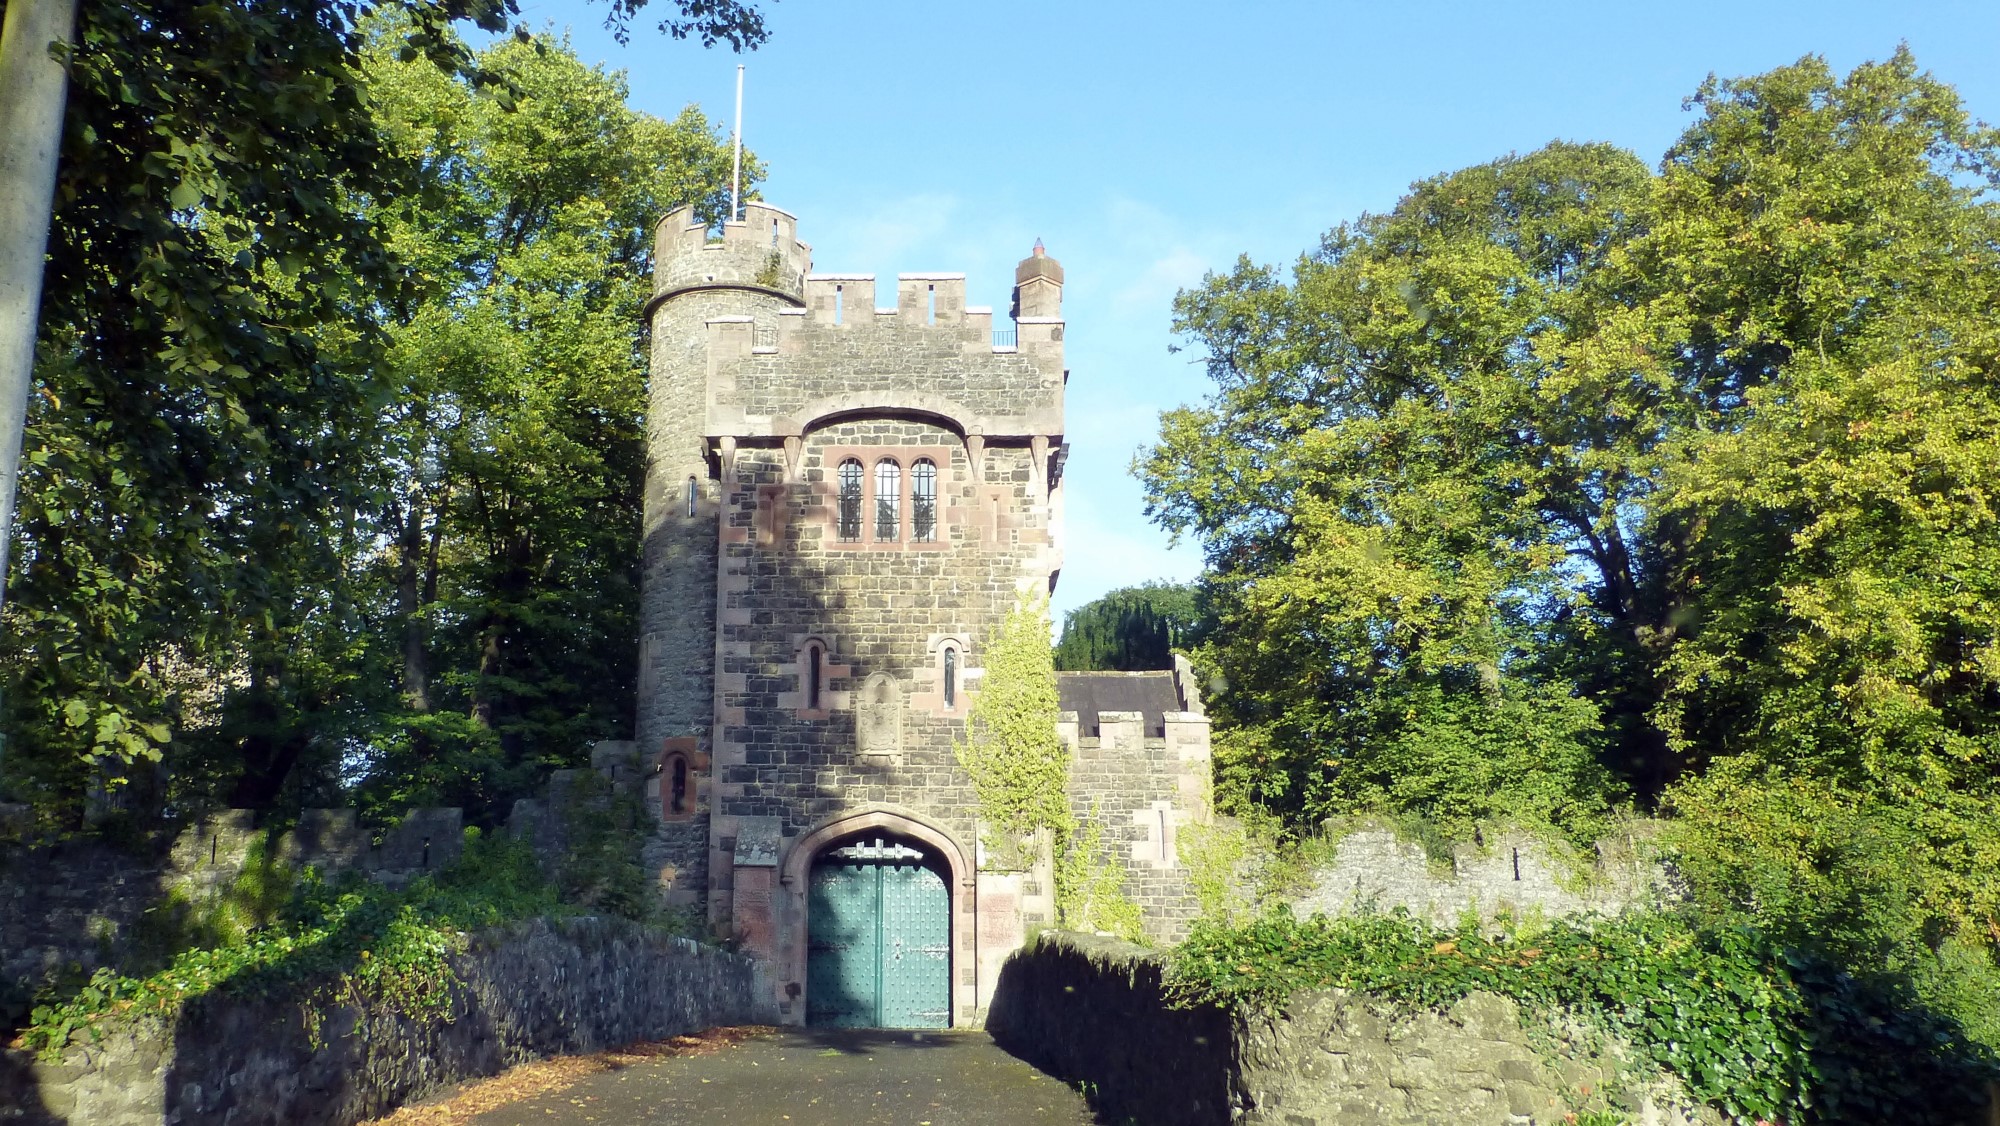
[{"x": 878, "y": 718}]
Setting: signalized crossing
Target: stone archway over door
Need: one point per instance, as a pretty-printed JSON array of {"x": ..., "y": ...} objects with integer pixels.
[{"x": 878, "y": 936}]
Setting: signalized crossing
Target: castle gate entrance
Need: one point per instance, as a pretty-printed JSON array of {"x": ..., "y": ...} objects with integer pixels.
[{"x": 878, "y": 936}]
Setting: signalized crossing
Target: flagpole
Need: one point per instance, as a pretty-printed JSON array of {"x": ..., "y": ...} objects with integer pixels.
[{"x": 736, "y": 161}]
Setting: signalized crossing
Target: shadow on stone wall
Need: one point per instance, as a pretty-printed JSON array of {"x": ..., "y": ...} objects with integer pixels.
[
  {"x": 528, "y": 991},
  {"x": 1090, "y": 1011},
  {"x": 20, "y": 1097}
]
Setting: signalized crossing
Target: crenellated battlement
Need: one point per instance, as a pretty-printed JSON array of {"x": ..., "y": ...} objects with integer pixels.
[
  {"x": 762, "y": 253},
  {"x": 761, "y": 250},
  {"x": 934, "y": 301}
]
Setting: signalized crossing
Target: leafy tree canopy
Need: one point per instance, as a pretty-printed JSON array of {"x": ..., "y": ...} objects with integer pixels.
[
  {"x": 1568, "y": 475},
  {"x": 1131, "y": 629},
  {"x": 229, "y": 312},
  {"x": 512, "y": 452}
]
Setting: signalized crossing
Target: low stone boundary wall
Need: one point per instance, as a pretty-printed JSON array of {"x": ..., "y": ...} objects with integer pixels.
[
  {"x": 1090, "y": 1011},
  {"x": 532, "y": 990}
]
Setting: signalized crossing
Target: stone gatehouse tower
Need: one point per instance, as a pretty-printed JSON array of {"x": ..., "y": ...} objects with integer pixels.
[{"x": 842, "y": 503}]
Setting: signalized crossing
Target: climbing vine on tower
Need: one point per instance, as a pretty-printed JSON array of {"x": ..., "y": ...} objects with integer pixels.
[{"x": 1020, "y": 774}]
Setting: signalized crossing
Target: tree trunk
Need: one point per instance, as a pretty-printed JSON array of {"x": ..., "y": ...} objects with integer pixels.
[
  {"x": 32, "y": 89},
  {"x": 269, "y": 746},
  {"x": 410, "y": 605}
]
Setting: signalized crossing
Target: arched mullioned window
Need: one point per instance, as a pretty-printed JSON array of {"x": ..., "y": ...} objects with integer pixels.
[
  {"x": 888, "y": 501},
  {"x": 850, "y": 499},
  {"x": 923, "y": 501},
  {"x": 950, "y": 677}
]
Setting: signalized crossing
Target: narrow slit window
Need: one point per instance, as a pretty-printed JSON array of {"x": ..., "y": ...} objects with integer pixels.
[
  {"x": 888, "y": 501},
  {"x": 950, "y": 677},
  {"x": 678, "y": 795},
  {"x": 838, "y": 293},
  {"x": 693, "y": 495},
  {"x": 812, "y": 676},
  {"x": 850, "y": 500},
  {"x": 923, "y": 501},
  {"x": 930, "y": 304}
]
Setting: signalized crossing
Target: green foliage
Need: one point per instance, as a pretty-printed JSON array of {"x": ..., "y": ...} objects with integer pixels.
[
  {"x": 1090, "y": 885},
  {"x": 1819, "y": 865},
  {"x": 1132, "y": 629},
  {"x": 1566, "y": 478},
  {"x": 513, "y": 454},
  {"x": 1219, "y": 856},
  {"x": 334, "y": 943},
  {"x": 1017, "y": 762},
  {"x": 1020, "y": 774},
  {"x": 185, "y": 919},
  {"x": 1456, "y": 761},
  {"x": 196, "y": 438},
  {"x": 344, "y": 477},
  {"x": 1759, "y": 1030},
  {"x": 600, "y": 870}
]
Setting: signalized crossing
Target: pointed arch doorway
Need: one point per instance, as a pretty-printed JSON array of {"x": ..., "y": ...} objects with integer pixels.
[{"x": 878, "y": 934}]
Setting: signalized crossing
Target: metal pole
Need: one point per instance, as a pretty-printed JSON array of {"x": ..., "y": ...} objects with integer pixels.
[
  {"x": 33, "y": 86},
  {"x": 736, "y": 162}
]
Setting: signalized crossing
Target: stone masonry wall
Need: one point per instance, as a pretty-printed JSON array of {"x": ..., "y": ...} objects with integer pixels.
[
  {"x": 876, "y": 356},
  {"x": 1128, "y": 787},
  {"x": 879, "y": 613},
  {"x": 1091, "y": 1011},
  {"x": 530, "y": 991},
  {"x": 77, "y": 904},
  {"x": 1512, "y": 872}
]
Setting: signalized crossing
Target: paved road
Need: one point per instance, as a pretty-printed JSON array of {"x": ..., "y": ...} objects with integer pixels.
[{"x": 817, "y": 1077}]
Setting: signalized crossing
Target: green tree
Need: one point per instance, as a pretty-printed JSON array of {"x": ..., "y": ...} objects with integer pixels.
[
  {"x": 200, "y": 445},
  {"x": 1131, "y": 629},
  {"x": 513, "y": 442},
  {"x": 1704, "y": 451},
  {"x": 1843, "y": 557},
  {"x": 203, "y": 394},
  {"x": 1399, "y": 501}
]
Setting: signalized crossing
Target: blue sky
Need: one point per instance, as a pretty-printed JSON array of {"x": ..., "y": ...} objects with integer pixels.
[{"x": 1149, "y": 143}]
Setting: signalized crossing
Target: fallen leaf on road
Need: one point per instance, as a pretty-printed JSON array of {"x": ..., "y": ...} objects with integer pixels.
[{"x": 544, "y": 1076}]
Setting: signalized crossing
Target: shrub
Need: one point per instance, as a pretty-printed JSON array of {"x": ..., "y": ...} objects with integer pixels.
[{"x": 1760, "y": 1030}]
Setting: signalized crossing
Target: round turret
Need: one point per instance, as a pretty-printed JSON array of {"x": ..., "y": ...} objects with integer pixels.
[{"x": 761, "y": 251}]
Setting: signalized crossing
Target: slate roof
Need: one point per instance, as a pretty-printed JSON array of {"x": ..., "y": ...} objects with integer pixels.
[{"x": 1088, "y": 693}]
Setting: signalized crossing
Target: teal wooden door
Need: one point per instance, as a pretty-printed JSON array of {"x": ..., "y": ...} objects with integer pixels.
[
  {"x": 878, "y": 940},
  {"x": 916, "y": 948},
  {"x": 843, "y": 937}
]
